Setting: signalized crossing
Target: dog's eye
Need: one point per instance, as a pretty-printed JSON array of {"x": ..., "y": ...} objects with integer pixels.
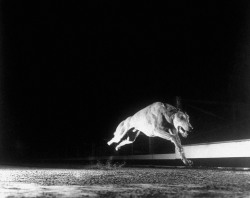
[{"x": 182, "y": 117}]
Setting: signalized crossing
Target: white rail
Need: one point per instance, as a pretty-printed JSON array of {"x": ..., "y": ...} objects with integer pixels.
[
  {"x": 226, "y": 149},
  {"x": 239, "y": 148}
]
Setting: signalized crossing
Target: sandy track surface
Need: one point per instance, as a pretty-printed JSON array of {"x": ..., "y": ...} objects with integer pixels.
[{"x": 124, "y": 182}]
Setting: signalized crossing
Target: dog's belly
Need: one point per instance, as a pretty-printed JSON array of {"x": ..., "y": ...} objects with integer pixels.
[{"x": 141, "y": 123}]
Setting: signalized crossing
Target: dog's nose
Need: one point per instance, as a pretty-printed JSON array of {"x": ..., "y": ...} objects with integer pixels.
[{"x": 191, "y": 127}]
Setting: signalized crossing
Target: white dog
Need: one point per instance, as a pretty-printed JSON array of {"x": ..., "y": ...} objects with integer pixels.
[{"x": 156, "y": 120}]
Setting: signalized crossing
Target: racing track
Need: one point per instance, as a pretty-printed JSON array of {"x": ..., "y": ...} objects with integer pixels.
[{"x": 83, "y": 181}]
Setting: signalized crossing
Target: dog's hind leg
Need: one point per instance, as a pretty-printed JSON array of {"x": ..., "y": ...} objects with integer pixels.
[
  {"x": 114, "y": 140},
  {"x": 121, "y": 130},
  {"x": 129, "y": 140}
]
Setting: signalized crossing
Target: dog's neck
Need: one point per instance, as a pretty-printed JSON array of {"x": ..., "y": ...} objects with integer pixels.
[{"x": 171, "y": 111}]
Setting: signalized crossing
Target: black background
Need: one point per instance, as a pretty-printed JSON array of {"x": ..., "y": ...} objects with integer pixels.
[{"x": 72, "y": 70}]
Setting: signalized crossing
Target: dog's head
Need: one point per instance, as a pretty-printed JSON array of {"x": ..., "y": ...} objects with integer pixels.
[{"x": 181, "y": 123}]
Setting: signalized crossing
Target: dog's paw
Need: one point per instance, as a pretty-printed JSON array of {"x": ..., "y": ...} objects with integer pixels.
[
  {"x": 117, "y": 148},
  {"x": 189, "y": 163}
]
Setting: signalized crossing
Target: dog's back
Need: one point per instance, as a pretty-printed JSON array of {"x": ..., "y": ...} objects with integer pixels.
[{"x": 153, "y": 116}]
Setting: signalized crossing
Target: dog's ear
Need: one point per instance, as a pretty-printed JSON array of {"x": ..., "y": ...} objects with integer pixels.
[
  {"x": 186, "y": 114},
  {"x": 174, "y": 110}
]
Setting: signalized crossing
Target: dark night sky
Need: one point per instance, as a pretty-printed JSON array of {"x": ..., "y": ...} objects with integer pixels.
[{"x": 72, "y": 71}]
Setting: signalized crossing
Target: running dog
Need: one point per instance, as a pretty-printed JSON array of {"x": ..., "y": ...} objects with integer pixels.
[{"x": 156, "y": 120}]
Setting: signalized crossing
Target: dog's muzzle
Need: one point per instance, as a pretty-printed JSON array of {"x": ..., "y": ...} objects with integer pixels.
[{"x": 183, "y": 132}]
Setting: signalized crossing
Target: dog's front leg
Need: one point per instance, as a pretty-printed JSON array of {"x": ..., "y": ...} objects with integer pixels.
[
  {"x": 177, "y": 142},
  {"x": 173, "y": 137}
]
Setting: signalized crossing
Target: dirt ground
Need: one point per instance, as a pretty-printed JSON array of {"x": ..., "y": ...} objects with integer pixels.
[{"x": 123, "y": 182}]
